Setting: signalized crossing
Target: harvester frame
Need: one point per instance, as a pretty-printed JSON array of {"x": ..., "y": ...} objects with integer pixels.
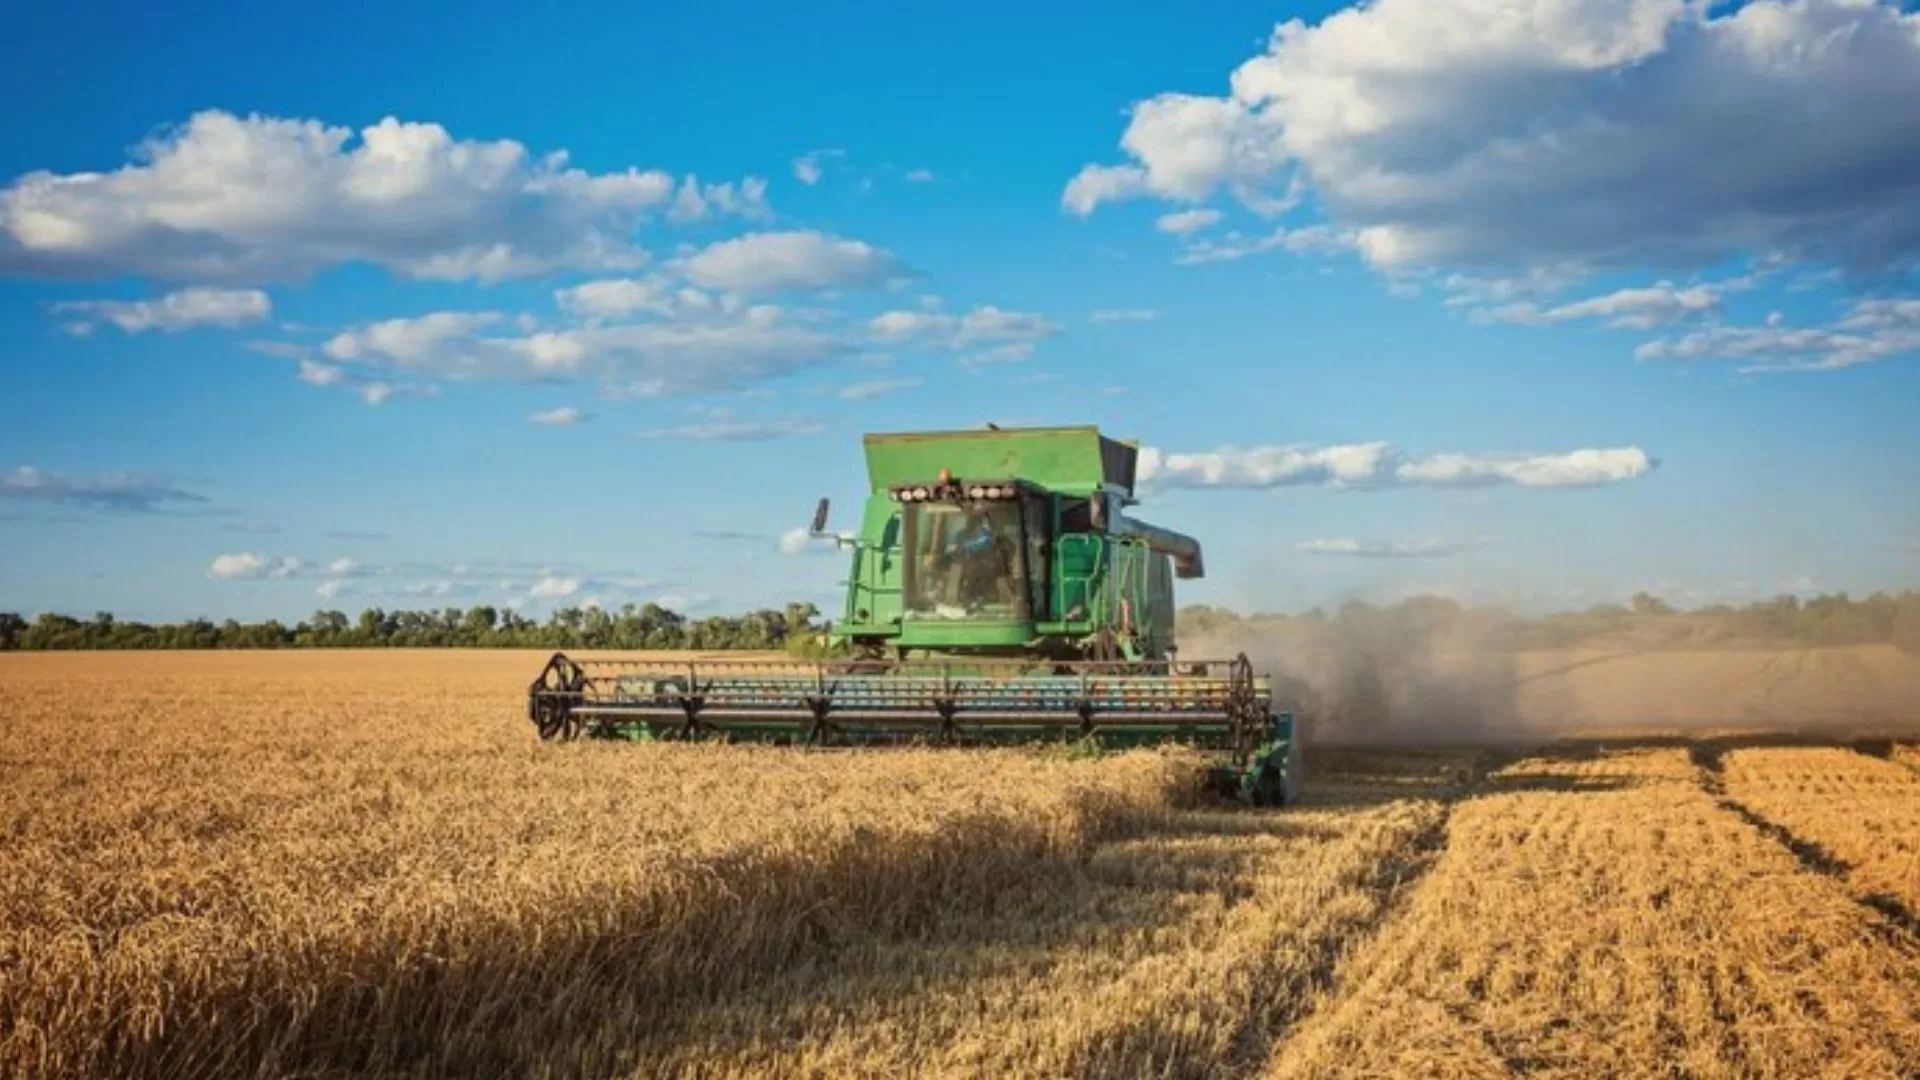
[{"x": 998, "y": 593}]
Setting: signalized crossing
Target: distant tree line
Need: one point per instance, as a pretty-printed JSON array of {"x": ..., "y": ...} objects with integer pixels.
[
  {"x": 647, "y": 626},
  {"x": 1645, "y": 620}
]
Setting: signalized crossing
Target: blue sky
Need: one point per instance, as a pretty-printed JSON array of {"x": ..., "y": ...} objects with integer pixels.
[{"x": 1538, "y": 304}]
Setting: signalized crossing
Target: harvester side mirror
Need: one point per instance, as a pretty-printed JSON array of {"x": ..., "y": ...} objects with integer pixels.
[{"x": 820, "y": 518}]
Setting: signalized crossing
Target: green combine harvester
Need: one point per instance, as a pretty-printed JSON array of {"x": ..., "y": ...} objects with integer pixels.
[{"x": 998, "y": 593}]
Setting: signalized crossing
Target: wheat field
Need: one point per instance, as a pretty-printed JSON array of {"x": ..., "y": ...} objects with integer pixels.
[{"x": 341, "y": 864}]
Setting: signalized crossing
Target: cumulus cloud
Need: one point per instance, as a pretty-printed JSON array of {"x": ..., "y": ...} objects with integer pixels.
[
  {"x": 1873, "y": 329},
  {"x": 727, "y": 429},
  {"x": 256, "y": 198},
  {"x": 332, "y": 588},
  {"x": 1578, "y": 468},
  {"x": 1379, "y": 465},
  {"x": 776, "y": 261},
  {"x": 553, "y": 587},
  {"x": 614, "y": 298},
  {"x": 122, "y": 492},
  {"x": 1182, "y": 222},
  {"x": 1546, "y": 131},
  {"x": 1430, "y": 548},
  {"x": 720, "y": 352},
  {"x": 408, "y": 341},
  {"x": 1010, "y": 332},
  {"x": 252, "y": 564},
  {"x": 1623, "y": 309},
  {"x": 365, "y": 377},
  {"x": 564, "y": 416},
  {"x": 920, "y": 176},
  {"x": 179, "y": 310},
  {"x": 1123, "y": 315}
]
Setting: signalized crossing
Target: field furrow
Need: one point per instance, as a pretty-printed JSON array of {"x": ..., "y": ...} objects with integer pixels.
[
  {"x": 1606, "y": 917},
  {"x": 1862, "y": 811}
]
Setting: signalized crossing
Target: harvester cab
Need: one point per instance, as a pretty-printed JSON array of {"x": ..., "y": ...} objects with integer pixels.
[{"x": 998, "y": 591}]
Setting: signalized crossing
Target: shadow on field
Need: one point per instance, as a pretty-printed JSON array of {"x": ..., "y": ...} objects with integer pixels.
[{"x": 1081, "y": 925}]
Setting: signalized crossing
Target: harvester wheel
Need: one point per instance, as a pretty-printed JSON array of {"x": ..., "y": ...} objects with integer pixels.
[
  {"x": 551, "y": 721},
  {"x": 1268, "y": 788}
]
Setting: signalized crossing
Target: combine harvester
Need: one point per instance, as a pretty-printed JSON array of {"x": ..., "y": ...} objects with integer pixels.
[{"x": 998, "y": 593}]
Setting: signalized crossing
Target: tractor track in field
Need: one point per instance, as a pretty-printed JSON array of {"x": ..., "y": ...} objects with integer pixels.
[{"x": 1894, "y": 918}]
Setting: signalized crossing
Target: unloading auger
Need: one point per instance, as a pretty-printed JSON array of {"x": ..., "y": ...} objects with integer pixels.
[{"x": 998, "y": 593}]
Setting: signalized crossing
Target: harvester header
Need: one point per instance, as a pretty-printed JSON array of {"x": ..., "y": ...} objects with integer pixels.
[{"x": 997, "y": 591}]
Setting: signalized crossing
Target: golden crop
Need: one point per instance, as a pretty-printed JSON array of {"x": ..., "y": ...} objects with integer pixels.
[
  {"x": 296, "y": 864},
  {"x": 1860, "y": 810},
  {"x": 1608, "y": 918},
  {"x": 331, "y": 864}
]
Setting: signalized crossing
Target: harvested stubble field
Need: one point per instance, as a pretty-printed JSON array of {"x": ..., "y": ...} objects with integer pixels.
[{"x": 334, "y": 864}]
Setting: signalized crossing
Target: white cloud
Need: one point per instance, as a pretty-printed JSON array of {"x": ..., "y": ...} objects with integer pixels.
[
  {"x": 315, "y": 373},
  {"x": 1578, "y": 468},
  {"x": 179, "y": 310},
  {"x": 618, "y": 297},
  {"x": 1182, "y": 222},
  {"x": 808, "y": 167},
  {"x": 726, "y": 429},
  {"x": 776, "y": 261},
  {"x": 1123, "y": 315},
  {"x": 125, "y": 492},
  {"x": 344, "y": 567},
  {"x": 252, "y": 564},
  {"x": 873, "y": 388},
  {"x": 328, "y": 590},
  {"x": 564, "y": 416},
  {"x": 1623, "y": 309},
  {"x": 984, "y": 325},
  {"x": 1497, "y": 132},
  {"x": 553, "y": 587},
  {"x": 893, "y": 327},
  {"x": 1407, "y": 549},
  {"x": 1096, "y": 184},
  {"x": 1377, "y": 464},
  {"x": 1873, "y": 329},
  {"x": 721, "y": 352},
  {"x": 1306, "y": 240},
  {"x": 257, "y": 198},
  {"x": 239, "y": 564},
  {"x": 1265, "y": 466},
  {"x": 920, "y": 176},
  {"x": 409, "y": 341}
]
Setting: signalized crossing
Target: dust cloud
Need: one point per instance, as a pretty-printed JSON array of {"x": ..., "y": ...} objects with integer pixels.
[
  {"x": 1428, "y": 672},
  {"x": 1410, "y": 675}
]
